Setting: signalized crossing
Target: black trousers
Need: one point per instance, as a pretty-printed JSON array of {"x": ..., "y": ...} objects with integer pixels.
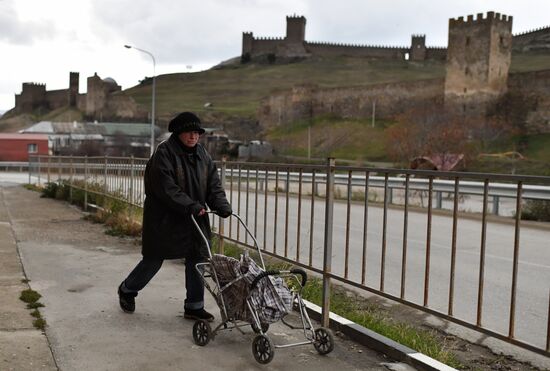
[{"x": 146, "y": 269}]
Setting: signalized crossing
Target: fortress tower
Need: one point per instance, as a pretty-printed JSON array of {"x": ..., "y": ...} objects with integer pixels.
[
  {"x": 74, "y": 78},
  {"x": 478, "y": 59},
  {"x": 418, "y": 48},
  {"x": 295, "y": 29}
]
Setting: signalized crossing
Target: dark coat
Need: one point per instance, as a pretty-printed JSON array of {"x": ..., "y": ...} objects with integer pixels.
[{"x": 168, "y": 231}]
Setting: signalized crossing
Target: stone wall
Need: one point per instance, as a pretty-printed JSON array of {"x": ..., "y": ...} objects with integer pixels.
[
  {"x": 532, "y": 40},
  {"x": 304, "y": 102},
  {"x": 533, "y": 87},
  {"x": 100, "y": 102},
  {"x": 57, "y": 98},
  {"x": 334, "y": 50},
  {"x": 32, "y": 96},
  {"x": 122, "y": 107}
]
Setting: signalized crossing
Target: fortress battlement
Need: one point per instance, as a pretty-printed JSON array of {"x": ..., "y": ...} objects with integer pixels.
[
  {"x": 480, "y": 18},
  {"x": 328, "y": 44},
  {"x": 300, "y": 17},
  {"x": 33, "y": 84},
  {"x": 545, "y": 28},
  {"x": 267, "y": 38}
]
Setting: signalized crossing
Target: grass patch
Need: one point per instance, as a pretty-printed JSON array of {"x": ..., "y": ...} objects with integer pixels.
[
  {"x": 347, "y": 139},
  {"x": 35, "y": 305},
  {"x": 39, "y": 323},
  {"x": 31, "y": 297},
  {"x": 32, "y": 187}
]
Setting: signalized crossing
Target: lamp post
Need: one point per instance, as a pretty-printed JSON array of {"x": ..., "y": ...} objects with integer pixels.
[{"x": 153, "y": 103}]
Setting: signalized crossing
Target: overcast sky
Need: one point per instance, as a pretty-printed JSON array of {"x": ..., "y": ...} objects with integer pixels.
[{"x": 42, "y": 41}]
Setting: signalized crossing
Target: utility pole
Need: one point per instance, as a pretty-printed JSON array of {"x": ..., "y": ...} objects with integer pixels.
[{"x": 373, "y": 111}]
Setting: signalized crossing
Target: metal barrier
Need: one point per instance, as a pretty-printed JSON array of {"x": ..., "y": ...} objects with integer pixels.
[{"x": 376, "y": 229}]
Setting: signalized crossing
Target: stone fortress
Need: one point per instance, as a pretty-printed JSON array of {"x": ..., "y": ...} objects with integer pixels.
[
  {"x": 104, "y": 99},
  {"x": 477, "y": 59},
  {"x": 294, "y": 44}
]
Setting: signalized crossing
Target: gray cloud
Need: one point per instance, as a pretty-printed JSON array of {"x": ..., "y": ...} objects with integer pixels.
[
  {"x": 15, "y": 31},
  {"x": 188, "y": 32}
]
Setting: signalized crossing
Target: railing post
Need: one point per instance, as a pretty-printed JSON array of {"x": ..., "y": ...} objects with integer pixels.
[
  {"x": 86, "y": 183},
  {"x": 39, "y": 170},
  {"x": 327, "y": 251},
  {"x": 30, "y": 170},
  {"x": 48, "y": 169},
  {"x": 71, "y": 181},
  {"x": 496, "y": 201},
  {"x": 105, "y": 175},
  {"x": 220, "y": 221},
  {"x": 131, "y": 198},
  {"x": 59, "y": 168},
  {"x": 438, "y": 200}
]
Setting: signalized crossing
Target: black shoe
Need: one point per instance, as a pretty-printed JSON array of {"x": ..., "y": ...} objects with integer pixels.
[
  {"x": 197, "y": 314},
  {"x": 127, "y": 300}
]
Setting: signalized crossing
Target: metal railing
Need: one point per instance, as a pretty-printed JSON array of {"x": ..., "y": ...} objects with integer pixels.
[{"x": 376, "y": 229}]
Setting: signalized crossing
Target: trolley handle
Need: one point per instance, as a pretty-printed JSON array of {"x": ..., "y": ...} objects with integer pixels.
[
  {"x": 262, "y": 275},
  {"x": 300, "y": 272}
]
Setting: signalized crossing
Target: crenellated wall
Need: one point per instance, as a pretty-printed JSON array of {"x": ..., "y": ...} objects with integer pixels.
[
  {"x": 102, "y": 100},
  {"x": 294, "y": 43},
  {"x": 533, "y": 40},
  {"x": 350, "y": 50}
]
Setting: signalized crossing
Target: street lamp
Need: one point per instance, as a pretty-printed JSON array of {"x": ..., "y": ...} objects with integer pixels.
[{"x": 153, "y": 104}]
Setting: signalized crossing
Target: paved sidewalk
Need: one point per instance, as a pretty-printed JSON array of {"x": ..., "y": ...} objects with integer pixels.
[
  {"x": 22, "y": 347},
  {"x": 77, "y": 268}
]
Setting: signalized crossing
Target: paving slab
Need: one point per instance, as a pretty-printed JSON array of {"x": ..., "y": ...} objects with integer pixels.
[
  {"x": 25, "y": 351},
  {"x": 14, "y": 314}
]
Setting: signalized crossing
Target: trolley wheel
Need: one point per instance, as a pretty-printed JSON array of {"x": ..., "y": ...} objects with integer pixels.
[
  {"x": 263, "y": 349},
  {"x": 324, "y": 342},
  {"x": 265, "y": 327},
  {"x": 202, "y": 332}
]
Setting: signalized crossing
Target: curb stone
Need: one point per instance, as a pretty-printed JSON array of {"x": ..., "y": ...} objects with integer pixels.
[{"x": 378, "y": 342}]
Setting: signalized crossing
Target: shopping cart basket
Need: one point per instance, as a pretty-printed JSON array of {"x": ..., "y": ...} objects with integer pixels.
[{"x": 250, "y": 295}]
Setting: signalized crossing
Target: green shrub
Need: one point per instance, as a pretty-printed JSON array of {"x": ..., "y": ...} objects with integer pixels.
[
  {"x": 62, "y": 191},
  {"x": 50, "y": 190},
  {"x": 536, "y": 210}
]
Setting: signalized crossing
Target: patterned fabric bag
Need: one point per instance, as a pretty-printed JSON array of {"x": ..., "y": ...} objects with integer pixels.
[{"x": 271, "y": 298}]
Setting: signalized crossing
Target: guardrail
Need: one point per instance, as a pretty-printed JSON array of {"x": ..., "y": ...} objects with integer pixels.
[
  {"x": 14, "y": 166},
  {"x": 337, "y": 221}
]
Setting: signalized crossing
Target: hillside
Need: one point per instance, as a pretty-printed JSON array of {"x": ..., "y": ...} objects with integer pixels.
[{"x": 237, "y": 89}]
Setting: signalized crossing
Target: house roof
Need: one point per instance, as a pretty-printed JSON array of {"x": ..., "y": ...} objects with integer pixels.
[
  {"x": 41, "y": 127},
  {"x": 19, "y": 136},
  {"x": 137, "y": 129},
  {"x": 130, "y": 129}
]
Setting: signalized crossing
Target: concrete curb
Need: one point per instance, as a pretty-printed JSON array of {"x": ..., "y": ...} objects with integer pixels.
[{"x": 378, "y": 342}]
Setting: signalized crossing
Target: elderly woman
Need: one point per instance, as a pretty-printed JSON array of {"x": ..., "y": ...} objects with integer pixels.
[{"x": 180, "y": 180}]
